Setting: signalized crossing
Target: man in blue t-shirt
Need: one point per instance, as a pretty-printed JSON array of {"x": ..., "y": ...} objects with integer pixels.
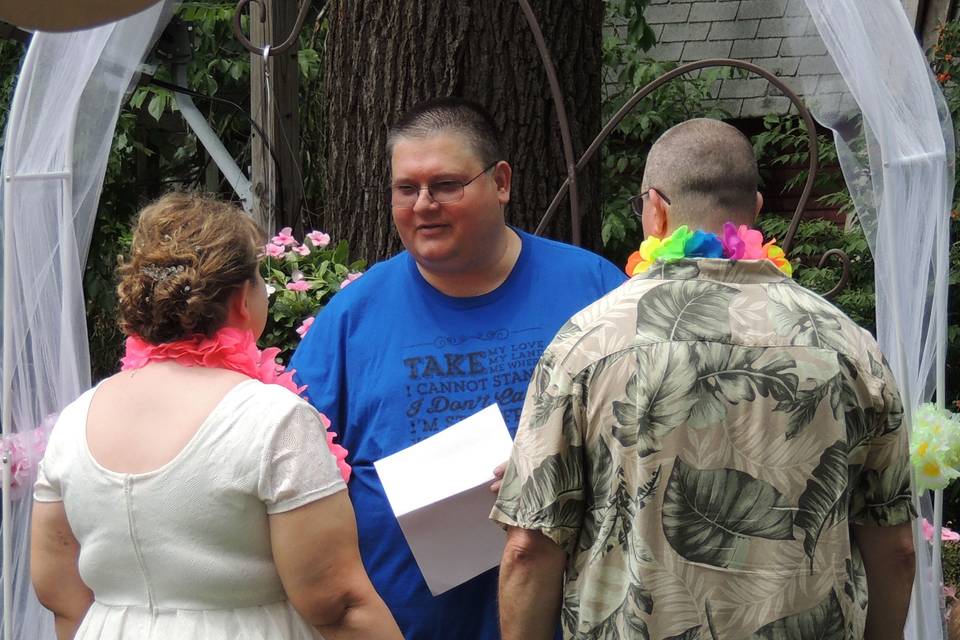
[{"x": 451, "y": 325}]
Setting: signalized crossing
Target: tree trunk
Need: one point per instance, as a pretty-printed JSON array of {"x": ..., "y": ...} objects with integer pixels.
[{"x": 384, "y": 57}]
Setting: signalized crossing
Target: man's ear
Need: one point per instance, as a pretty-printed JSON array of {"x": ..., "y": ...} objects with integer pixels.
[
  {"x": 656, "y": 215},
  {"x": 759, "y": 204},
  {"x": 503, "y": 176}
]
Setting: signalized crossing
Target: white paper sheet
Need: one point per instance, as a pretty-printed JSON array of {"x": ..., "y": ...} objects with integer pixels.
[{"x": 439, "y": 492}]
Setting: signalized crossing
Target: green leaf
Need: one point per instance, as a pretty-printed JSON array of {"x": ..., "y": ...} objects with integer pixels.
[
  {"x": 693, "y": 633},
  {"x": 618, "y": 514},
  {"x": 685, "y": 310},
  {"x": 824, "y": 501},
  {"x": 823, "y": 622},
  {"x": 804, "y": 317},
  {"x": 856, "y": 585},
  {"x": 656, "y": 399},
  {"x": 157, "y": 105},
  {"x": 881, "y": 490},
  {"x": 552, "y": 495},
  {"x": 616, "y": 519},
  {"x": 709, "y": 514},
  {"x": 679, "y": 270},
  {"x": 728, "y": 374},
  {"x": 803, "y": 407}
]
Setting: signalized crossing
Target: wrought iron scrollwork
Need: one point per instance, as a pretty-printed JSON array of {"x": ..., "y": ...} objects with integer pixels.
[
  {"x": 269, "y": 49},
  {"x": 609, "y": 127}
]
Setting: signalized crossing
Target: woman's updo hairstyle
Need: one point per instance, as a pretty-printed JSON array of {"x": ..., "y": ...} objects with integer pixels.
[{"x": 190, "y": 252}]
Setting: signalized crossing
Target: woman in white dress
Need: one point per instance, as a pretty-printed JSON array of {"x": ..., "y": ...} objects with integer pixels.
[{"x": 192, "y": 495}]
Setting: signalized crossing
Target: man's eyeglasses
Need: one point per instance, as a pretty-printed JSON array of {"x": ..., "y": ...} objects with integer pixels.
[
  {"x": 404, "y": 196},
  {"x": 636, "y": 202}
]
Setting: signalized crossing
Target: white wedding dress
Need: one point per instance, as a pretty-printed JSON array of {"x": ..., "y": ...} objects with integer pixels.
[{"x": 184, "y": 551}]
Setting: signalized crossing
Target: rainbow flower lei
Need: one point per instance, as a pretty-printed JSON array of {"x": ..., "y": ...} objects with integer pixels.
[{"x": 737, "y": 243}]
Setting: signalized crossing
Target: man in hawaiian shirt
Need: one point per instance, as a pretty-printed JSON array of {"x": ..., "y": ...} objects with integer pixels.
[{"x": 710, "y": 451}]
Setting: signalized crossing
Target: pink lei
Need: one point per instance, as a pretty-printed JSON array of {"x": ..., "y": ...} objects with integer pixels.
[{"x": 232, "y": 349}]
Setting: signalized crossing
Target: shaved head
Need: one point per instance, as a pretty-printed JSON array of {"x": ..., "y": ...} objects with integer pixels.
[{"x": 708, "y": 170}]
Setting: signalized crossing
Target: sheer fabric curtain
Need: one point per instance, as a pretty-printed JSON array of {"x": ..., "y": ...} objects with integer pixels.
[
  {"x": 57, "y": 141},
  {"x": 896, "y": 149}
]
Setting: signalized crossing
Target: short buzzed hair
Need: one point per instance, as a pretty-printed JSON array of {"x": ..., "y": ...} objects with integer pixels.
[
  {"x": 708, "y": 170},
  {"x": 451, "y": 115}
]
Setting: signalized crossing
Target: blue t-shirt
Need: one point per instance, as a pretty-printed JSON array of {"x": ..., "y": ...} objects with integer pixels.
[{"x": 392, "y": 361}]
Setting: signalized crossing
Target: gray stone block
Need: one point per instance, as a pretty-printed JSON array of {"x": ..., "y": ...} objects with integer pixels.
[
  {"x": 714, "y": 91},
  {"x": 713, "y": 11},
  {"x": 734, "y": 30},
  {"x": 832, "y": 84},
  {"x": 796, "y": 8},
  {"x": 747, "y": 88},
  {"x": 761, "y": 9},
  {"x": 667, "y": 52},
  {"x": 686, "y": 32},
  {"x": 667, "y": 13},
  {"x": 824, "y": 104},
  {"x": 848, "y": 104},
  {"x": 781, "y": 27},
  {"x": 753, "y": 107},
  {"x": 732, "y": 106},
  {"x": 816, "y": 65},
  {"x": 707, "y": 49},
  {"x": 801, "y": 85},
  {"x": 749, "y": 49},
  {"x": 802, "y": 46},
  {"x": 779, "y": 66}
]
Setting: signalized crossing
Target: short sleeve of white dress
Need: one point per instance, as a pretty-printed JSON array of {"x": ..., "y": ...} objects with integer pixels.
[
  {"x": 297, "y": 467},
  {"x": 48, "y": 486}
]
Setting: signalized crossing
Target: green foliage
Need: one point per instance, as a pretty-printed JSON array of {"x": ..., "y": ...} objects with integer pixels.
[
  {"x": 951, "y": 563},
  {"x": 784, "y": 143},
  {"x": 10, "y": 54},
  {"x": 946, "y": 66},
  {"x": 325, "y": 269},
  {"x": 626, "y": 69},
  {"x": 153, "y": 151}
]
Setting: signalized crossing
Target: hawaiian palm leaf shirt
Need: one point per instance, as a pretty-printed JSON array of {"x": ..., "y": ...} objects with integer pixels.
[{"x": 699, "y": 442}]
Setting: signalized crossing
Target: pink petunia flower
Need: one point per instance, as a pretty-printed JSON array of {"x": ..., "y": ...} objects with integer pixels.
[
  {"x": 351, "y": 277},
  {"x": 303, "y": 250},
  {"x": 304, "y": 327},
  {"x": 947, "y": 535},
  {"x": 274, "y": 250},
  {"x": 285, "y": 237},
  {"x": 299, "y": 285},
  {"x": 319, "y": 238}
]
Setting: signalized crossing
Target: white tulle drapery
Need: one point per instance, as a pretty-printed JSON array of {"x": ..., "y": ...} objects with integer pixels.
[
  {"x": 58, "y": 137},
  {"x": 896, "y": 148}
]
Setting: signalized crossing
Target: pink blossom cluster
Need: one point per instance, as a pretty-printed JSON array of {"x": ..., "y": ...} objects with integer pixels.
[
  {"x": 278, "y": 245},
  {"x": 26, "y": 449}
]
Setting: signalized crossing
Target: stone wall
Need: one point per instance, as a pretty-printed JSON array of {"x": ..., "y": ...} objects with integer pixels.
[{"x": 778, "y": 35}]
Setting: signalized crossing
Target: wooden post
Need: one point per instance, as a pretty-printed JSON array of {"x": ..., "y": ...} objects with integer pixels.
[{"x": 275, "y": 178}]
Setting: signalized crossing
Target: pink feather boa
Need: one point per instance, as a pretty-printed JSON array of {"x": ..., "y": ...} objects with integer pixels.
[{"x": 233, "y": 349}]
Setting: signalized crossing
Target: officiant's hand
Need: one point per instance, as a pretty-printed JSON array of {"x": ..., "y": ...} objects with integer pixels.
[{"x": 498, "y": 477}]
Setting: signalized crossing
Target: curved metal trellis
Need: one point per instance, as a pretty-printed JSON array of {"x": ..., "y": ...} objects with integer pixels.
[
  {"x": 268, "y": 49},
  {"x": 570, "y": 183}
]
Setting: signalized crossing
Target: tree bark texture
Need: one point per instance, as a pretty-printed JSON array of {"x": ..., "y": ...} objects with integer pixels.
[{"x": 384, "y": 57}]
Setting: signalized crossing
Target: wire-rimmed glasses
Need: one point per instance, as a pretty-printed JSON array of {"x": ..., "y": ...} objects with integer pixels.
[
  {"x": 404, "y": 196},
  {"x": 636, "y": 202}
]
